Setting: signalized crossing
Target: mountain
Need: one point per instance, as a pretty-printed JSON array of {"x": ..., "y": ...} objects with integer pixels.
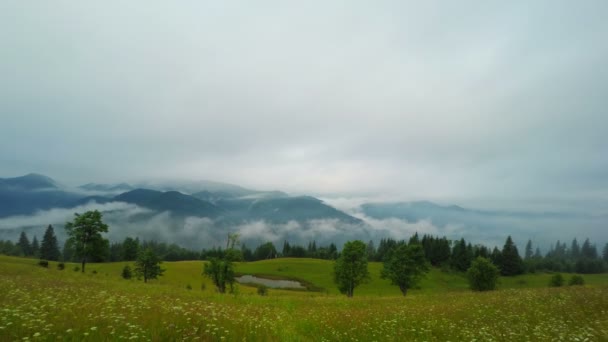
[
  {"x": 32, "y": 181},
  {"x": 109, "y": 188},
  {"x": 27, "y": 194},
  {"x": 283, "y": 209},
  {"x": 177, "y": 203}
]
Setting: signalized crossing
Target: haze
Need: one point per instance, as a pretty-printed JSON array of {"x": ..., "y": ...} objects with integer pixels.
[{"x": 480, "y": 102}]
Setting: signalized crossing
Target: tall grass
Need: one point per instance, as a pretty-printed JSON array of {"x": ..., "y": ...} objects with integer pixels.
[{"x": 48, "y": 304}]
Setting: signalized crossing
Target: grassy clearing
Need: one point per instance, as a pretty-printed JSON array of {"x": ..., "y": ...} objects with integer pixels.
[{"x": 48, "y": 304}]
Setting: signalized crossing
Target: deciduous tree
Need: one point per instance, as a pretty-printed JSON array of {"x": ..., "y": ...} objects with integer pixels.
[
  {"x": 350, "y": 269},
  {"x": 405, "y": 266},
  {"x": 85, "y": 235},
  {"x": 147, "y": 265}
]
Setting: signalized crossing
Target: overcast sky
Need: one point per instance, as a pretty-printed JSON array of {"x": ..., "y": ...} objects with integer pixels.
[{"x": 453, "y": 100}]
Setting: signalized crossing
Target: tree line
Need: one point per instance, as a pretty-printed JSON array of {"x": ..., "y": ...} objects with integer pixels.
[{"x": 89, "y": 245}]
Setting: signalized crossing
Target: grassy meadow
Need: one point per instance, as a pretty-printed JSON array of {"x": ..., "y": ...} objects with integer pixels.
[{"x": 49, "y": 305}]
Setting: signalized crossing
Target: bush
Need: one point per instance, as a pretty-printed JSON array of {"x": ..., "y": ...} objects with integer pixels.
[
  {"x": 576, "y": 280},
  {"x": 61, "y": 266},
  {"x": 482, "y": 275},
  {"x": 557, "y": 280},
  {"x": 76, "y": 269},
  {"x": 188, "y": 287},
  {"x": 43, "y": 263},
  {"x": 262, "y": 290},
  {"x": 94, "y": 271},
  {"x": 126, "y": 272},
  {"x": 203, "y": 286}
]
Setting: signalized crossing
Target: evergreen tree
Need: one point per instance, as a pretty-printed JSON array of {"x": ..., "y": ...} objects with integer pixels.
[
  {"x": 588, "y": 250},
  {"x": 130, "y": 249},
  {"x": 496, "y": 256},
  {"x": 49, "y": 250},
  {"x": 537, "y": 254},
  {"x": 575, "y": 250},
  {"x": 511, "y": 263},
  {"x": 461, "y": 256},
  {"x": 24, "y": 245},
  {"x": 414, "y": 240},
  {"x": 371, "y": 250},
  {"x": 605, "y": 253},
  {"x": 35, "y": 247},
  {"x": 528, "y": 254}
]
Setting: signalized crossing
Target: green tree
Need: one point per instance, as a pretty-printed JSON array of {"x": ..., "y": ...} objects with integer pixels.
[
  {"x": 85, "y": 235},
  {"x": 511, "y": 263},
  {"x": 350, "y": 269},
  {"x": 35, "y": 247},
  {"x": 24, "y": 245},
  {"x": 147, "y": 265},
  {"x": 130, "y": 249},
  {"x": 221, "y": 270},
  {"x": 605, "y": 252},
  {"x": 482, "y": 275},
  {"x": 529, "y": 251},
  {"x": 265, "y": 251},
  {"x": 49, "y": 250},
  {"x": 404, "y": 266}
]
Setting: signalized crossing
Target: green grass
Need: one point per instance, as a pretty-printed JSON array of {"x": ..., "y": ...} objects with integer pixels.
[{"x": 48, "y": 304}]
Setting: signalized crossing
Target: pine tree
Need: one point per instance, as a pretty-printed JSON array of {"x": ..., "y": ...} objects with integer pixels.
[
  {"x": 528, "y": 254},
  {"x": 605, "y": 253},
  {"x": 35, "y": 247},
  {"x": 461, "y": 256},
  {"x": 49, "y": 250},
  {"x": 575, "y": 250},
  {"x": 537, "y": 254},
  {"x": 511, "y": 263},
  {"x": 24, "y": 245},
  {"x": 588, "y": 250}
]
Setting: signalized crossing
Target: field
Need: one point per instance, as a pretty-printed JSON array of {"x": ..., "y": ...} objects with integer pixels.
[{"x": 49, "y": 304}]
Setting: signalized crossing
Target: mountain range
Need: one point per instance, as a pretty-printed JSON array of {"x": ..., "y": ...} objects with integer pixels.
[{"x": 200, "y": 213}]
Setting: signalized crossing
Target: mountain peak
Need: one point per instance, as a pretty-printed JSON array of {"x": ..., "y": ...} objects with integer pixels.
[{"x": 31, "y": 181}]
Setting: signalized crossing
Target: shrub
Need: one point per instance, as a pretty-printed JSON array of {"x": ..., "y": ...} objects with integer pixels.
[
  {"x": 94, "y": 271},
  {"x": 482, "y": 275},
  {"x": 557, "y": 280},
  {"x": 43, "y": 263},
  {"x": 262, "y": 290},
  {"x": 188, "y": 287},
  {"x": 576, "y": 280},
  {"x": 76, "y": 269},
  {"x": 126, "y": 272},
  {"x": 203, "y": 286},
  {"x": 61, "y": 266}
]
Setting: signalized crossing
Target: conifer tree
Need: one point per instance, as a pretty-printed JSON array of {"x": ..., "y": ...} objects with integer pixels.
[
  {"x": 35, "y": 247},
  {"x": 528, "y": 254},
  {"x": 49, "y": 250},
  {"x": 24, "y": 245},
  {"x": 511, "y": 263}
]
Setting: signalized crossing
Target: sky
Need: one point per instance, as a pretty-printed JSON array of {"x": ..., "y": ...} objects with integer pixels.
[{"x": 484, "y": 102}]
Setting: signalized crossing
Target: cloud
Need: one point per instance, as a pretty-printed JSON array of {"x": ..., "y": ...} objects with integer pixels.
[
  {"x": 60, "y": 216},
  {"x": 452, "y": 101}
]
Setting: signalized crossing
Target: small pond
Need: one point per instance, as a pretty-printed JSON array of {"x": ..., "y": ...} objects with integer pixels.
[{"x": 272, "y": 283}]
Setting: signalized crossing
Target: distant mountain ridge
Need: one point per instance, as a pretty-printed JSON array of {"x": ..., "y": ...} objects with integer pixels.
[{"x": 231, "y": 204}]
